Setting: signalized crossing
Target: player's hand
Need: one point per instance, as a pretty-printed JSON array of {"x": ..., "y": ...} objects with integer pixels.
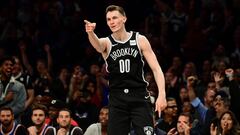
[
  {"x": 161, "y": 104},
  {"x": 90, "y": 27}
]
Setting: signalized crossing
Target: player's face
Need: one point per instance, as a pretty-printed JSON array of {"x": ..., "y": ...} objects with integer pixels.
[
  {"x": 38, "y": 117},
  {"x": 64, "y": 119},
  {"x": 6, "y": 117},
  {"x": 115, "y": 20}
]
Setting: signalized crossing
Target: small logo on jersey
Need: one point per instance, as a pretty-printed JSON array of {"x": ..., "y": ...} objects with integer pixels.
[
  {"x": 133, "y": 42},
  {"x": 148, "y": 130},
  {"x": 146, "y": 97},
  {"x": 114, "y": 44},
  {"x": 126, "y": 91}
]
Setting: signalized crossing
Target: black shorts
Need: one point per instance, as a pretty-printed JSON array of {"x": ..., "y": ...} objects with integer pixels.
[{"x": 130, "y": 109}]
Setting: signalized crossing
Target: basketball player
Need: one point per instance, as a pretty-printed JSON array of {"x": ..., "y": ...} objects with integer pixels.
[{"x": 123, "y": 51}]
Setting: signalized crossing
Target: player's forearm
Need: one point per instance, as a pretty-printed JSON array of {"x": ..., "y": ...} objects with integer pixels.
[
  {"x": 159, "y": 77},
  {"x": 95, "y": 41}
]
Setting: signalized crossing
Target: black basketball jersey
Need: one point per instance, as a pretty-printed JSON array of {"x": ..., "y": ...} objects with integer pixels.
[{"x": 125, "y": 64}]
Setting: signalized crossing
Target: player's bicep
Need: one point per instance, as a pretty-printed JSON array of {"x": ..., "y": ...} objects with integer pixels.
[
  {"x": 103, "y": 44},
  {"x": 147, "y": 51},
  {"x": 106, "y": 47}
]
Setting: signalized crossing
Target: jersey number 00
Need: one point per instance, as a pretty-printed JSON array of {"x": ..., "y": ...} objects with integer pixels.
[{"x": 124, "y": 66}]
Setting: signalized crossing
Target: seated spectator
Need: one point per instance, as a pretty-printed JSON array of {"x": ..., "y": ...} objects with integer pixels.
[
  {"x": 227, "y": 125},
  {"x": 65, "y": 126},
  {"x": 84, "y": 111},
  {"x": 99, "y": 128},
  {"x": 169, "y": 115},
  {"x": 38, "y": 118},
  {"x": 12, "y": 92},
  {"x": 20, "y": 75},
  {"x": 53, "y": 110},
  {"x": 8, "y": 126},
  {"x": 184, "y": 126},
  {"x": 221, "y": 103},
  {"x": 60, "y": 85},
  {"x": 23, "y": 76}
]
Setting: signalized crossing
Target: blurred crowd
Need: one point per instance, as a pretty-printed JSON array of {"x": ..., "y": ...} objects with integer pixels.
[{"x": 44, "y": 46}]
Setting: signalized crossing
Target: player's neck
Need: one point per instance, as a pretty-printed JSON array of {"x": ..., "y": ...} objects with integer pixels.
[{"x": 121, "y": 35}]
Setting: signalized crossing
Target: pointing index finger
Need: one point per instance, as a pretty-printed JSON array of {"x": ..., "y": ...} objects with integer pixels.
[{"x": 86, "y": 21}]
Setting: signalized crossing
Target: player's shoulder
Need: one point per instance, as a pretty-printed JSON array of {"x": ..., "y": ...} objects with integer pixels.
[
  {"x": 105, "y": 40},
  {"x": 140, "y": 36}
]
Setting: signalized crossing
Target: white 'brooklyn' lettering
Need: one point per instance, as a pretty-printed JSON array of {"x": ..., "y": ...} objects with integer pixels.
[{"x": 122, "y": 52}]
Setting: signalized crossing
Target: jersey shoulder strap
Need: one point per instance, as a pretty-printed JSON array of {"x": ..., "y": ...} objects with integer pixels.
[{"x": 112, "y": 40}]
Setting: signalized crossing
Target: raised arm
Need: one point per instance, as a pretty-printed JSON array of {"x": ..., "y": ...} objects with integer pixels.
[
  {"x": 157, "y": 72},
  {"x": 100, "y": 44},
  {"x": 46, "y": 48},
  {"x": 195, "y": 101},
  {"x": 26, "y": 64}
]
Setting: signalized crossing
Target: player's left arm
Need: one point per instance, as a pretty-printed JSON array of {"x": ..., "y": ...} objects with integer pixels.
[{"x": 156, "y": 69}]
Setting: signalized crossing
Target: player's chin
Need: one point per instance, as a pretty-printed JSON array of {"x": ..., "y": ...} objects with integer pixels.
[{"x": 114, "y": 29}]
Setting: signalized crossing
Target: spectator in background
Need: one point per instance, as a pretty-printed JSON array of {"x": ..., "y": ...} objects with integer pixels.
[
  {"x": 25, "y": 61},
  {"x": 25, "y": 79},
  {"x": 60, "y": 85},
  {"x": 183, "y": 94},
  {"x": 177, "y": 26},
  {"x": 77, "y": 81},
  {"x": 43, "y": 77},
  {"x": 227, "y": 125},
  {"x": 176, "y": 65},
  {"x": 8, "y": 125},
  {"x": 221, "y": 103},
  {"x": 189, "y": 70},
  {"x": 53, "y": 110},
  {"x": 219, "y": 57},
  {"x": 235, "y": 52},
  {"x": 84, "y": 111},
  {"x": 184, "y": 126},
  {"x": 234, "y": 91},
  {"x": 20, "y": 75},
  {"x": 99, "y": 128},
  {"x": 39, "y": 113},
  {"x": 169, "y": 115},
  {"x": 95, "y": 92},
  {"x": 102, "y": 85},
  {"x": 172, "y": 84},
  {"x": 65, "y": 127},
  {"x": 12, "y": 92},
  {"x": 209, "y": 97},
  {"x": 94, "y": 69}
]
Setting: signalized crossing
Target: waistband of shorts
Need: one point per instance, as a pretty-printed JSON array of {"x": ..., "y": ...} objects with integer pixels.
[{"x": 116, "y": 90}]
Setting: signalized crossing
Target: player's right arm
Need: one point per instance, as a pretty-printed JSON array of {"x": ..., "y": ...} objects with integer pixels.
[{"x": 100, "y": 44}]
